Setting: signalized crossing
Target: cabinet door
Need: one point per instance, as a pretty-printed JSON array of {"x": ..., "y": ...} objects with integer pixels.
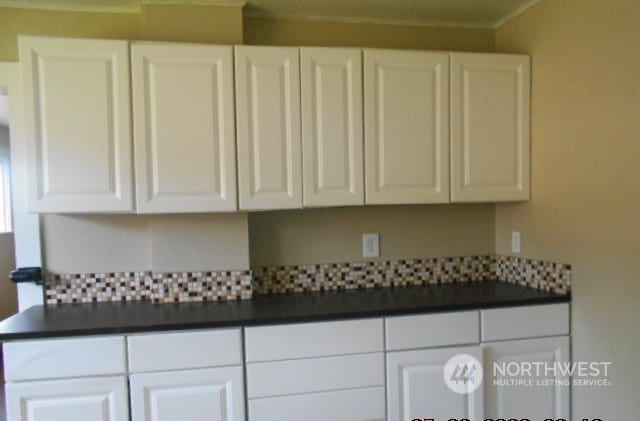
[
  {"x": 416, "y": 386},
  {"x": 406, "y": 127},
  {"x": 537, "y": 401},
  {"x": 214, "y": 394},
  {"x": 331, "y": 85},
  {"x": 90, "y": 399},
  {"x": 268, "y": 121},
  {"x": 184, "y": 132},
  {"x": 489, "y": 127},
  {"x": 77, "y": 124}
]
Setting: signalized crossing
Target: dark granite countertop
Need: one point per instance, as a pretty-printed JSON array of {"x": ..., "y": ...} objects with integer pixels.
[{"x": 117, "y": 318}]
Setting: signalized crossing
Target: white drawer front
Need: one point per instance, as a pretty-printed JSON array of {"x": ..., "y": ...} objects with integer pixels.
[
  {"x": 430, "y": 330},
  {"x": 55, "y": 358},
  {"x": 179, "y": 350},
  {"x": 346, "y": 405},
  {"x": 314, "y": 375},
  {"x": 525, "y": 322},
  {"x": 306, "y": 340}
]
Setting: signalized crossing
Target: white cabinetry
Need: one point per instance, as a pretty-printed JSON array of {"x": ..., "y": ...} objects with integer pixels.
[
  {"x": 77, "y": 124},
  {"x": 268, "y": 121},
  {"x": 187, "y": 375},
  {"x": 66, "y": 379},
  {"x": 489, "y": 127},
  {"x": 325, "y": 370},
  {"x": 416, "y": 387},
  {"x": 331, "y": 89},
  {"x": 94, "y": 399},
  {"x": 212, "y": 394},
  {"x": 546, "y": 398},
  {"x": 183, "y": 113},
  {"x": 415, "y": 380},
  {"x": 406, "y": 121}
]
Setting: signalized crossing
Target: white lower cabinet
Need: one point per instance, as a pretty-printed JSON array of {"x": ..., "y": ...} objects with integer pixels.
[
  {"x": 511, "y": 392},
  {"x": 342, "y": 405},
  {"x": 214, "y": 394},
  {"x": 87, "y": 399},
  {"x": 416, "y": 387}
]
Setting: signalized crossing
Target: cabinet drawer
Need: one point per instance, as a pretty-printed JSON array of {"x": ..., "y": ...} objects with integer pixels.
[
  {"x": 306, "y": 340},
  {"x": 180, "y": 350},
  {"x": 54, "y": 358},
  {"x": 314, "y": 375},
  {"x": 345, "y": 405},
  {"x": 525, "y": 322},
  {"x": 430, "y": 330}
]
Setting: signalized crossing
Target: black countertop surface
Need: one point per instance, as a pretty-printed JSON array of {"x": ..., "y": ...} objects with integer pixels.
[{"x": 113, "y": 318}]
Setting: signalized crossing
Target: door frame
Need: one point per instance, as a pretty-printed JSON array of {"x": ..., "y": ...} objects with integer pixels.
[{"x": 26, "y": 226}]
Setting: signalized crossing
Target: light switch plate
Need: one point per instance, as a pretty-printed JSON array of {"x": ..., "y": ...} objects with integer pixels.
[{"x": 370, "y": 245}]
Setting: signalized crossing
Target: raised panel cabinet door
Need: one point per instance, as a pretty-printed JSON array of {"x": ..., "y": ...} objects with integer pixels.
[
  {"x": 490, "y": 127},
  {"x": 546, "y": 397},
  {"x": 268, "y": 123},
  {"x": 184, "y": 133},
  {"x": 416, "y": 386},
  {"x": 213, "y": 394},
  {"x": 332, "y": 149},
  {"x": 406, "y": 127},
  {"x": 77, "y": 124},
  {"x": 88, "y": 399}
]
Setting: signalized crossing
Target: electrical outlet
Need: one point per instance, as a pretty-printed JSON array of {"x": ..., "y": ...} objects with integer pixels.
[
  {"x": 370, "y": 245},
  {"x": 515, "y": 242}
]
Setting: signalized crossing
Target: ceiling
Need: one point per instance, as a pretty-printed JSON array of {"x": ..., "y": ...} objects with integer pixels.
[
  {"x": 464, "y": 13},
  {"x": 4, "y": 110}
]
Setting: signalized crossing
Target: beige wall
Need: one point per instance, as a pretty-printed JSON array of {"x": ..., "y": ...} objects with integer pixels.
[
  {"x": 156, "y": 22},
  {"x": 335, "y": 235},
  {"x": 8, "y": 291},
  {"x": 585, "y": 207},
  {"x": 258, "y": 31}
]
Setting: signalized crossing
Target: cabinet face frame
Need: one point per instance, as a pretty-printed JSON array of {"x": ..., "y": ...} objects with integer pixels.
[
  {"x": 268, "y": 127},
  {"x": 332, "y": 132},
  {"x": 482, "y": 121},
  {"x": 178, "y": 142},
  {"x": 63, "y": 133},
  {"x": 395, "y": 173}
]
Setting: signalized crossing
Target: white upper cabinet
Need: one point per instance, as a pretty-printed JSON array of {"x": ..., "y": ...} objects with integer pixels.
[
  {"x": 406, "y": 121},
  {"x": 268, "y": 121},
  {"x": 489, "y": 127},
  {"x": 331, "y": 85},
  {"x": 77, "y": 124},
  {"x": 184, "y": 132}
]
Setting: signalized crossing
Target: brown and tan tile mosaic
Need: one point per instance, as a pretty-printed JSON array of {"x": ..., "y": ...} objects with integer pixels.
[
  {"x": 148, "y": 286},
  {"x": 173, "y": 287},
  {"x": 549, "y": 276},
  {"x": 376, "y": 274},
  {"x": 370, "y": 274}
]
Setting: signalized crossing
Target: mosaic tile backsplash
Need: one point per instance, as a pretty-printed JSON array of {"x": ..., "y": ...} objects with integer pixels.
[
  {"x": 549, "y": 276},
  {"x": 172, "y": 287}
]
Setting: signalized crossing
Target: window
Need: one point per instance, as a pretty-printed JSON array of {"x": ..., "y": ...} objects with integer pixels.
[{"x": 5, "y": 190}]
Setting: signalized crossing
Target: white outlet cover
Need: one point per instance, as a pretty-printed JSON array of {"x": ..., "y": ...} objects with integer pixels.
[
  {"x": 516, "y": 240},
  {"x": 370, "y": 245}
]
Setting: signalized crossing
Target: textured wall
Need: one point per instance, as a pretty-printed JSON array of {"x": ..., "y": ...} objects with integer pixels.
[{"x": 585, "y": 207}]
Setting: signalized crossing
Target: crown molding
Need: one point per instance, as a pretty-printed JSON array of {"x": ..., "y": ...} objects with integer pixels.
[
  {"x": 109, "y": 6},
  {"x": 337, "y": 19},
  {"x": 514, "y": 14}
]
